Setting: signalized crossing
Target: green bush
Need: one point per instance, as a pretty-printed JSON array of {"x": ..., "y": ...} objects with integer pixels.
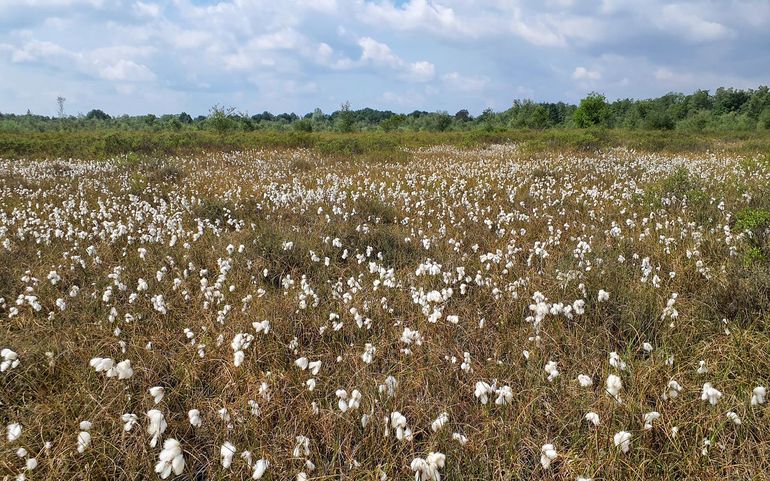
[{"x": 751, "y": 219}]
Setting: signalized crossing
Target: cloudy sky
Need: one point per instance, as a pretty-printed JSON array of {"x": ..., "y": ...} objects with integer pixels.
[{"x": 132, "y": 56}]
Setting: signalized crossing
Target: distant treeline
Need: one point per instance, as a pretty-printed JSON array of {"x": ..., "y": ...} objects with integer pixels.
[{"x": 727, "y": 109}]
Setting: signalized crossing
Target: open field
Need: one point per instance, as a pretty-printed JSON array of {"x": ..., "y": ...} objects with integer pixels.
[{"x": 343, "y": 312}]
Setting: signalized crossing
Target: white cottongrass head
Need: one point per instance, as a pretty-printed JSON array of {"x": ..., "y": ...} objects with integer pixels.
[
  {"x": 552, "y": 370},
  {"x": 585, "y": 381},
  {"x": 156, "y": 426},
  {"x": 195, "y": 418},
  {"x": 622, "y": 441},
  {"x": 84, "y": 440},
  {"x": 460, "y": 438},
  {"x": 129, "y": 421},
  {"x": 301, "y": 363},
  {"x": 504, "y": 395},
  {"x": 648, "y": 418},
  {"x": 439, "y": 422},
  {"x": 102, "y": 364},
  {"x": 616, "y": 361},
  {"x": 123, "y": 370},
  {"x": 260, "y": 467},
  {"x": 226, "y": 453},
  {"x": 157, "y": 393},
  {"x": 398, "y": 422},
  {"x": 262, "y": 327},
  {"x": 710, "y": 394},
  {"x": 301, "y": 447},
  {"x": 547, "y": 455},
  {"x": 483, "y": 391},
  {"x": 427, "y": 469},
  {"x": 592, "y": 418},
  {"x": 170, "y": 459},
  {"x": 348, "y": 402},
  {"x": 672, "y": 391},
  {"x": 84, "y": 437},
  {"x": 613, "y": 385},
  {"x": 368, "y": 355},
  {"x": 758, "y": 395},
  {"x": 9, "y": 360},
  {"x": 603, "y": 296},
  {"x": 13, "y": 432}
]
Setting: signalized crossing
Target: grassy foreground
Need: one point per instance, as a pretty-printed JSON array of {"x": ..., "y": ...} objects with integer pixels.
[{"x": 476, "y": 300}]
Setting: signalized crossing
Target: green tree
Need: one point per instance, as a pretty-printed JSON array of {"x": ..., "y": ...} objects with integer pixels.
[
  {"x": 764, "y": 119},
  {"x": 592, "y": 111},
  {"x": 345, "y": 118},
  {"x": 303, "y": 125},
  {"x": 393, "y": 123},
  {"x": 538, "y": 119},
  {"x": 441, "y": 121},
  {"x": 220, "y": 118},
  {"x": 462, "y": 116},
  {"x": 97, "y": 114}
]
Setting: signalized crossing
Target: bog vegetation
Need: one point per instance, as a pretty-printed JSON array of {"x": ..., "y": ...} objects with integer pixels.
[{"x": 368, "y": 308}]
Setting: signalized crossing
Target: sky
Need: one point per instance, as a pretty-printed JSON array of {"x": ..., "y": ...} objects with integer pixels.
[{"x": 150, "y": 56}]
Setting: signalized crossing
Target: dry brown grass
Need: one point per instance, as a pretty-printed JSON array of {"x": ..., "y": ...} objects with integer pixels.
[{"x": 481, "y": 198}]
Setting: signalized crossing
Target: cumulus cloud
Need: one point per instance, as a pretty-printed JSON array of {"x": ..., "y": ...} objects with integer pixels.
[
  {"x": 582, "y": 73},
  {"x": 380, "y": 54},
  {"x": 686, "y": 21},
  {"x": 416, "y": 14},
  {"x": 126, "y": 70},
  {"x": 306, "y": 53},
  {"x": 147, "y": 9}
]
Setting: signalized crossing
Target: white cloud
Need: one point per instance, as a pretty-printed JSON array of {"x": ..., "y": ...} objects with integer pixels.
[
  {"x": 582, "y": 73},
  {"x": 422, "y": 71},
  {"x": 126, "y": 70},
  {"x": 685, "y": 21},
  {"x": 380, "y": 54},
  {"x": 302, "y": 53},
  {"x": 39, "y": 50},
  {"x": 147, "y": 9},
  {"x": 415, "y": 14}
]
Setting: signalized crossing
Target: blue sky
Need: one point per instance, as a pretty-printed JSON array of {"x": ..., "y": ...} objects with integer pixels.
[{"x": 131, "y": 56}]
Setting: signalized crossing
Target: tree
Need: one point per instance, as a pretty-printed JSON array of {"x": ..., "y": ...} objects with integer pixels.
[
  {"x": 220, "y": 118},
  {"x": 700, "y": 100},
  {"x": 764, "y": 119},
  {"x": 486, "y": 121},
  {"x": 304, "y": 125},
  {"x": 345, "y": 118},
  {"x": 441, "y": 121},
  {"x": 97, "y": 114},
  {"x": 392, "y": 123},
  {"x": 592, "y": 111},
  {"x": 462, "y": 116},
  {"x": 60, "y": 102},
  {"x": 185, "y": 118},
  {"x": 658, "y": 120},
  {"x": 538, "y": 119},
  {"x": 729, "y": 100}
]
